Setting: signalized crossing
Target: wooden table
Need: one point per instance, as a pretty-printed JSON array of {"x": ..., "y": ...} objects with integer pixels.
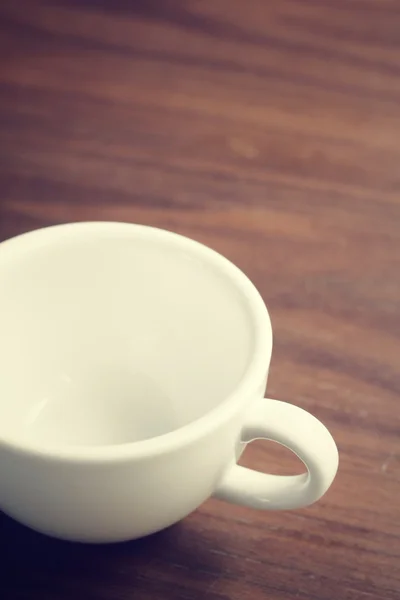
[{"x": 271, "y": 132}]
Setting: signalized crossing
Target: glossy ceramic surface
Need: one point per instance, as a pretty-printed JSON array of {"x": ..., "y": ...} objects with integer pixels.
[{"x": 133, "y": 368}]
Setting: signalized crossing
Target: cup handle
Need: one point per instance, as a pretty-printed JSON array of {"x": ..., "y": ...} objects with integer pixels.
[{"x": 304, "y": 435}]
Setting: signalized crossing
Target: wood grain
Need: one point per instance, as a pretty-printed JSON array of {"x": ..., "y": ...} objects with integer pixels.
[{"x": 271, "y": 132}]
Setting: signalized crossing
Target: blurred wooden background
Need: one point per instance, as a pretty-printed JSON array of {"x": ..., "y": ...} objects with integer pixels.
[{"x": 271, "y": 132}]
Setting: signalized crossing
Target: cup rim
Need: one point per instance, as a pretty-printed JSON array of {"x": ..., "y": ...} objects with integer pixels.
[{"x": 254, "y": 374}]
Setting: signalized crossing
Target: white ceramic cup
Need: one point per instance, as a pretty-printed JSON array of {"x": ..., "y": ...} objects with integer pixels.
[{"x": 133, "y": 364}]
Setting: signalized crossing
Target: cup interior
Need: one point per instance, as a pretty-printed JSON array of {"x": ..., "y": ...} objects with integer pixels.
[{"x": 111, "y": 335}]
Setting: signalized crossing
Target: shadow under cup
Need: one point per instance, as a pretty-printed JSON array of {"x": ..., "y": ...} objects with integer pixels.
[{"x": 112, "y": 334}]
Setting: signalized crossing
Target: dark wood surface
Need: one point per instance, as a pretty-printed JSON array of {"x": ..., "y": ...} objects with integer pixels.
[{"x": 271, "y": 132}]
